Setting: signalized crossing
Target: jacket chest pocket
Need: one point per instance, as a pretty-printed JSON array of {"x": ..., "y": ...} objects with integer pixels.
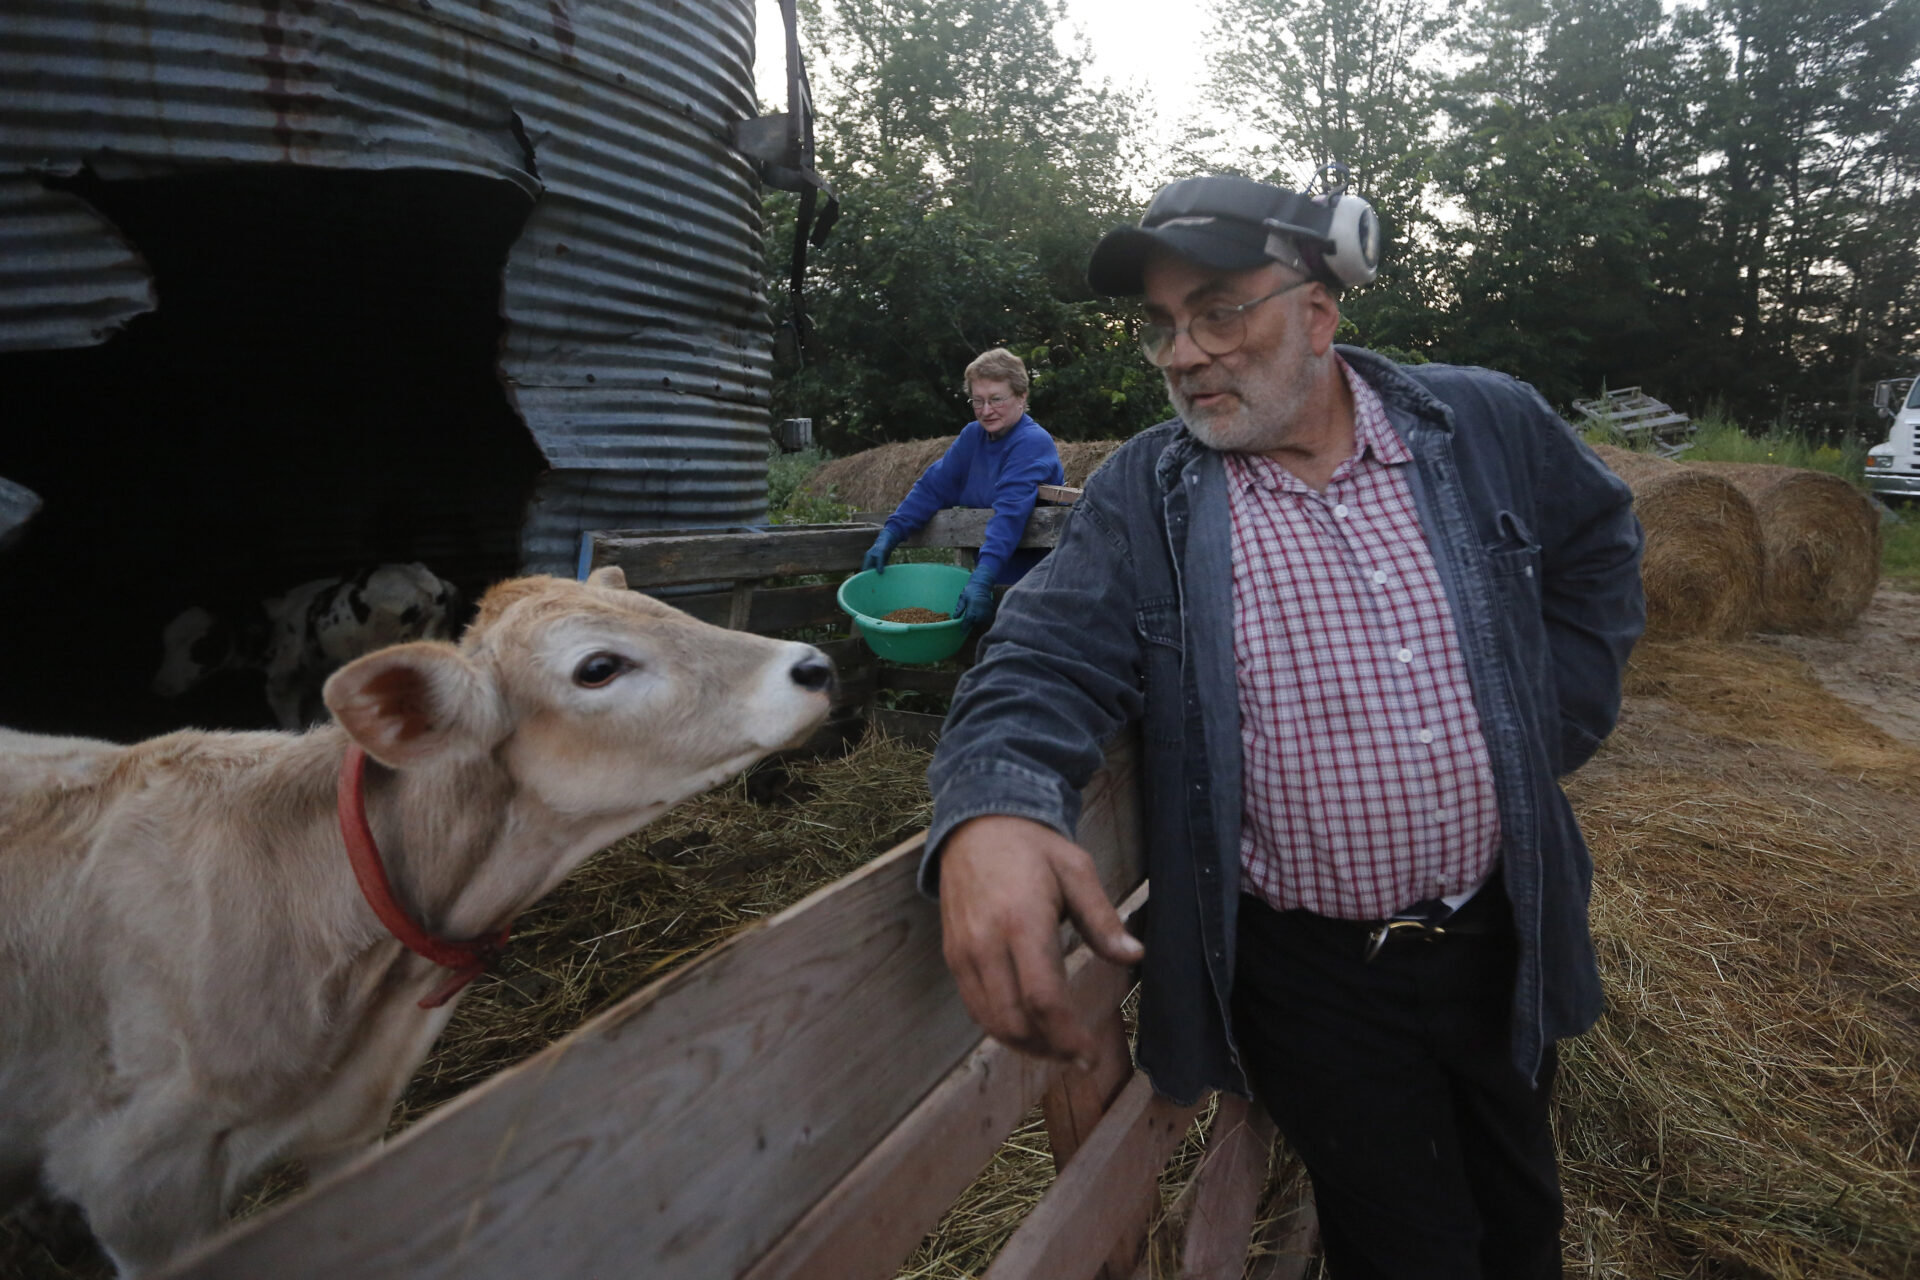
[
  {"x": 1157, "y": 622},
  {"x": 1515, "y": 568},
  {"x": 1514, "y": 559}
]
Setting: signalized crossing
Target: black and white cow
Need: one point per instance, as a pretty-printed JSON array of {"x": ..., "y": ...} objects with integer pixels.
[{"x": 300, "y": 638}]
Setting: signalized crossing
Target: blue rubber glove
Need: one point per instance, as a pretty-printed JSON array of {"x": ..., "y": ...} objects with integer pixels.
[
  {"x": 876, "y": 557},
  {"x": 975, "y": 605}
]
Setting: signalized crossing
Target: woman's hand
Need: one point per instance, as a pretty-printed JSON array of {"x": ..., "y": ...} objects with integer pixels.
[
  {"x": 876, "y": 557},
  {"x": 975, "y": 605}
]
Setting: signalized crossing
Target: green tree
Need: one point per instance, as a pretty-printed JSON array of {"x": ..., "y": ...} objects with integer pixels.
[
  {"x": 1564, "y": 136},
  {"x": 1302, "y": 83},
  {"x": 1806, "y": 120},
  {"x": 977, "y": 165}
]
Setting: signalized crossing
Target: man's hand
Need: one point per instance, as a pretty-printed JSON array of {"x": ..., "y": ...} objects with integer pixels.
[{"x": 1004, "y": 885}]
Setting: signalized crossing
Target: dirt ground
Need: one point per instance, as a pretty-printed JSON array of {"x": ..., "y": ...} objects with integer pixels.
[{"x": 1874, "y": 665}]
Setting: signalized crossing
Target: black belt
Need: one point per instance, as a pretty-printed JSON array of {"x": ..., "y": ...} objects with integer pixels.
[{"x": 1484, "y": 913}]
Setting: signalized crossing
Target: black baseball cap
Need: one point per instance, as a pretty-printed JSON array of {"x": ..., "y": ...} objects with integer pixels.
[{"x": 1218, "y": 221}]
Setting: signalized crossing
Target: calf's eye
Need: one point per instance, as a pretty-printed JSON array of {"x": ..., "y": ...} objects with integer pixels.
[{"x": 598, "y": 669}]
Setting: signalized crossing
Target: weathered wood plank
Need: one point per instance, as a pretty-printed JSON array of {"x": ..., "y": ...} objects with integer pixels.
[
  {"x": 1074, "y": 1104},
  {"x": 1226, "y": 1191},
  {"x": 913, "y": 727},
  {"x": 966, "y": 526},
  {"x": 668, "y": 559},
  {"x": 684, "y": 1131},
  {"x": 1064, "y": 495},
  {"x": 1097, "y": 1197},
  {"x": 774, "y": 608},
  {"x": 918, "y": 680},
  {"x": 1073, "y": 1108},
  {"x": 869, "y": 1224},
  {"x": 1294, "y": 1252}
]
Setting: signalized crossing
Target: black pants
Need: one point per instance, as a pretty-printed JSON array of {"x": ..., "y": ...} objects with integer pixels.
[{"x": 1431, "y": 1155}]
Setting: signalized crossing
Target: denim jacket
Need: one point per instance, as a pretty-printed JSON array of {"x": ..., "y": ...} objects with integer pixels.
[{"x": 1130, "y": 622}]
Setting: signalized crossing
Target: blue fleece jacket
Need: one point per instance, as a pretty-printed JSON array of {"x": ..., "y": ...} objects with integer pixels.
[{"x": 987, "y": 471}]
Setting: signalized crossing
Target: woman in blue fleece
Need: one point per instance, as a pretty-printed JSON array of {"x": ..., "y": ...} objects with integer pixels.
[{"x": 999, "y": 461}]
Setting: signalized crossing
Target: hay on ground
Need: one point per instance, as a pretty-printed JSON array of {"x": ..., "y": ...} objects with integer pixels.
[
  {"x": 1702, "y": 569},
  {"x": 1821, "y": 541},
  {"x": 1748, "y": 1106},
  {"x": 669, "y": 892}
]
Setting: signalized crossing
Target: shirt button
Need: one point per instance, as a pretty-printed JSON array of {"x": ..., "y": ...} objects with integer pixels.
[
  {"x": 1340, "y": 510},
  {"x": 1405, "y": 655},
  {"x": 1425, "y": 735},
  {"x": 1379, "y": 577},
  {"x": 1529, "y": 571}
]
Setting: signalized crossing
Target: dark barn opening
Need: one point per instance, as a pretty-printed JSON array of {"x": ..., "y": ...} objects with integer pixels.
[{"x": 318, "y": 391}]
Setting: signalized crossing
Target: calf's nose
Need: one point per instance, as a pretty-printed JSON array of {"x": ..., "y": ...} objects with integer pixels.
[{"x": 813, "y": 672}]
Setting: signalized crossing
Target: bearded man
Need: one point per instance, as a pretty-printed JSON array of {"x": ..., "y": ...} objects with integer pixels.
[{"x": 1364, "y": 615}]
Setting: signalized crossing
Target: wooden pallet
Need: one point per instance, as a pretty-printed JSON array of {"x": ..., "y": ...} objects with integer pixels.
[{"x": 1638, "y": 416}]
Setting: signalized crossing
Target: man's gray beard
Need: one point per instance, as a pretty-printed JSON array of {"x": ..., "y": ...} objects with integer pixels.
[{"x": 1267, "y": 406}]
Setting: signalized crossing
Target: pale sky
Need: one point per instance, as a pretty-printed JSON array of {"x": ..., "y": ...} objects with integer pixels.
[{"x": 1135, "y": 45}]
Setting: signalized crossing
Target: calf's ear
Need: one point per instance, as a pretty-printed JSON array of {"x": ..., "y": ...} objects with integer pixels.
[
  {"x": 612, "y": 576},
  {"x": 412, "y": 702}
]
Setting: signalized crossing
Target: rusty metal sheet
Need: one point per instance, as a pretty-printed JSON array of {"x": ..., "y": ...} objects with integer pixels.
[
  {"x": 67, "y": 278},
  {"x": 637, "y": 342}
]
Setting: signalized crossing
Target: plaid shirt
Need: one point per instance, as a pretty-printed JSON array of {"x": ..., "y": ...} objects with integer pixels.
[{"x": 1368, "y": 785}]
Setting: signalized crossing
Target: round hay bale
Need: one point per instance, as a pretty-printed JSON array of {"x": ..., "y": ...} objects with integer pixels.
[
  {"x": 877, "y": 479},
  {"x": 1702, "y": 565},
  {"x": 1820, "y": 540},
  {"x": 1079, "y": 458}
]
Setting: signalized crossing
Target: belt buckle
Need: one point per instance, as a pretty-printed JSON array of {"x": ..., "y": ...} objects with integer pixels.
[{"x": 1378, "y": 939}]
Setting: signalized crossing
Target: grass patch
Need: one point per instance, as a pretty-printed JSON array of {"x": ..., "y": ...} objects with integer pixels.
[
  {"x": 788, "y": 502},
  {"x": 1718, "y": 438},
  {"x": 1900, "y": 550}
]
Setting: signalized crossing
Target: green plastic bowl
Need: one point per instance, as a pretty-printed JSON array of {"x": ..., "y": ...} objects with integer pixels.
[{"x": 868, "y": 597}]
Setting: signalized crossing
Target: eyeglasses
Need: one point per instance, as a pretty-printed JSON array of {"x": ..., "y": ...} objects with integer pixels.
[
  {"x": 1218, "y": 331},
  {"x": 991, "y": 402}
]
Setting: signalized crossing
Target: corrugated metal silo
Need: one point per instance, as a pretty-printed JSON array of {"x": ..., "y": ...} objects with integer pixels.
[{"x": 574, "y": 157}]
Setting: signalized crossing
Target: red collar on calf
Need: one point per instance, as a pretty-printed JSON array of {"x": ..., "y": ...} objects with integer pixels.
[{"x": 468, "y": 959}]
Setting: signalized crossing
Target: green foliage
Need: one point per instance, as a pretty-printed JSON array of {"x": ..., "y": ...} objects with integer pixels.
[
  {"x": 786, "y": 472},
  {"x": 1718, "y": 438},
  {"x": 1305, "y": 82},
  {"x": 977, "y": 166},
  {"x": 1716, "y": 201},
  {"x": 1900, "y": 550},
  {"x": 787, "y": 502}
]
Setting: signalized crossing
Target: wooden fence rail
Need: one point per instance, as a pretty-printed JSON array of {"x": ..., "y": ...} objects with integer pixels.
[{"x": 688, "y": 1130}]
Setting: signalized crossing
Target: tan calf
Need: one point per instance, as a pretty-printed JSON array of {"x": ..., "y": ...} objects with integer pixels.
[{"x": 191, "y": 982}]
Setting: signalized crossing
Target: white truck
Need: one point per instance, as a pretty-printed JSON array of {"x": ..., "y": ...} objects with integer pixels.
[{"x": 1893, "y": 468}]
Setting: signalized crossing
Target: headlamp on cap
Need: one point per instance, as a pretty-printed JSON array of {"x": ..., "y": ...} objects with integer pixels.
[
  {"x": 1236, "y": 224},
  {"x": 1341, "y": 227}
]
